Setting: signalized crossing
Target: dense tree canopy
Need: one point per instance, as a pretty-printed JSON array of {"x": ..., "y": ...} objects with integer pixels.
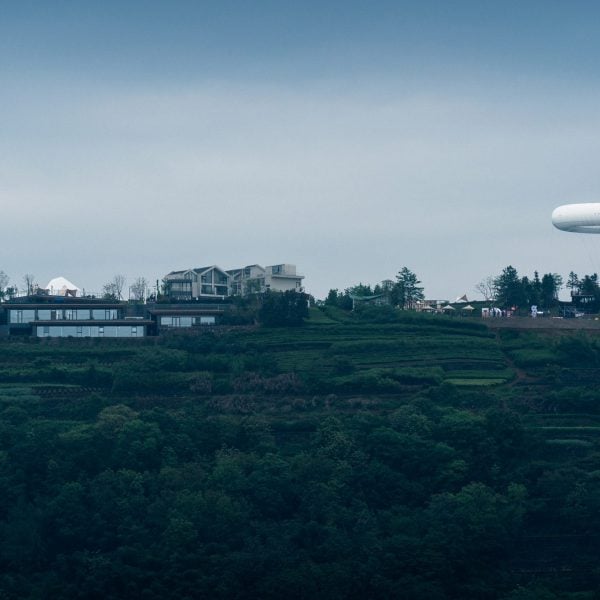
[
  {"x": 415, "y": 458},
  {"x": 405, "y": 292},
  {"x": 279, "y": 309},
  {"x": 512, "y": 291}
]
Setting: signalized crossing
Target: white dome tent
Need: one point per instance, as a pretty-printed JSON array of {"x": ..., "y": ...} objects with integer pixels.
[{"x": 59, "y": 286}]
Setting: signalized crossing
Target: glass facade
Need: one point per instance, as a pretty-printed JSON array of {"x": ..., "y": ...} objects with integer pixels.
[
  {"x": 22, "y": 315},
  {"x": 104, "y": 314},
  {"x": 27, "y": 315},
  {"x": 116, "y": 331},
  {"x": 185, "y": 321},
  {"x": 77, "y": 314}
]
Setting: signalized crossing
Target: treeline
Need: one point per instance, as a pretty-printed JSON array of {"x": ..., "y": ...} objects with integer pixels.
[
  {"x": 511, "y": 290},
  {"x": 404, "y": 293},
  {"x": 508, "y": 290}
]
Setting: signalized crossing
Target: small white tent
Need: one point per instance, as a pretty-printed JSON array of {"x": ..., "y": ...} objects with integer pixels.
[{"x": 59, "y": 286}]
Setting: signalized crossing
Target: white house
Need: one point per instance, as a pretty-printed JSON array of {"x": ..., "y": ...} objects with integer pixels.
[{"x": 255, "y": 279}]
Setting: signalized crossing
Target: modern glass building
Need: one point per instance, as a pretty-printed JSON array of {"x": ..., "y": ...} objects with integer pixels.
[{"x": 54, "y": 316}]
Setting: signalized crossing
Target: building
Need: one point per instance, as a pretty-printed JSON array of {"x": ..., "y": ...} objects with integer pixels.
[
  {"x": 256, "y": 279},
  {"x": 169, "y": 317},
  {"x": 214, "y": 282},
  {"x": 42, "y": 315},
  {"x": 195, "y": 298},
  {"x": 192, "y": 284}
]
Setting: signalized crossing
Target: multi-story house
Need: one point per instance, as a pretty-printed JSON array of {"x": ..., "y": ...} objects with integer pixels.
[
  {"x": 214, "y": 282},
  {"x": 247, "y": 280},
  {"x": 255, "y": 279},
  {"x": 203, "y": 282},
  {"x": 282, "y": 278}
]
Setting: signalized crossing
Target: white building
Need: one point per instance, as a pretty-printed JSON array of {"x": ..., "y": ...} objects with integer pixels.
[{"x": 256, "y": 279}]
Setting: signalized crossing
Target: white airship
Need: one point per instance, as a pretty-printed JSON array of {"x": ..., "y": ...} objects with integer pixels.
[{"x": 577, "y": 218}]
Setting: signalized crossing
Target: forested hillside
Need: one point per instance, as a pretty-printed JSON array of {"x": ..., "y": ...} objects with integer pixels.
[{"x": 366, "y": 456}]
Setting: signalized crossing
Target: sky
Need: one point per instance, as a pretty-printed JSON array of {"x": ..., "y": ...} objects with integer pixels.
[{"x": 349, "y": 138}]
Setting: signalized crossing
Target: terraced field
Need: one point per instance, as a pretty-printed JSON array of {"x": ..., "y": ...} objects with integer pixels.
[{"x": 412, "y": 441}]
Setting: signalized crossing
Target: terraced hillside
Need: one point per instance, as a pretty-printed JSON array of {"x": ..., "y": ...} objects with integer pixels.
[{"x": 373, "y": 455}]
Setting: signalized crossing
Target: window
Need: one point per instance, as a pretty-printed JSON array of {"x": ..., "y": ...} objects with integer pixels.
[
  {"x": 100, "y": 331},
  {"x": 79, "y": 330},
  {"x": 22, "y": 316},
  {"x": 134, "y": 331},
  {"x": 46, "y": 330}
]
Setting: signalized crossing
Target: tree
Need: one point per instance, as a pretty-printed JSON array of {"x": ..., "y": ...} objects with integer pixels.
[
  {"x": 3, "y": 285},
  {"x": 407, "y": 289},
  {"x": 332, "y": 297},
  {"x": 509, "y": 288},
  {"x": 139, "y": 289},
  {"x": 551, "y": 284},
  {"x": 573, "y": 283},
  {"x": 527, "y": 288},
  {"x": 360, "y": 290},
  {"x": 283, "y": 308},
  {"x": 589, "y": 285},
  {"x": 487, "y": 288},
  {"x": 30, "y": 285},
  {"x": 536, "y": 289},
  {"x": 113, "y": 290}
]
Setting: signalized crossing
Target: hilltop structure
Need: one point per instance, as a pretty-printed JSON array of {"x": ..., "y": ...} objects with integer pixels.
[
  {"x": 193, "y": 298},
  {"x": 215, "y": 282}
]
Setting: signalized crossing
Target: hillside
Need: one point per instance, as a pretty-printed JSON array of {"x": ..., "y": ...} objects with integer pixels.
[{"x": 380, "y": 456}]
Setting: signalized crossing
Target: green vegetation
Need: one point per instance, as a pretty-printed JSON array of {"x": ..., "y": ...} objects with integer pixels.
[{"x": 378, "y": 454}]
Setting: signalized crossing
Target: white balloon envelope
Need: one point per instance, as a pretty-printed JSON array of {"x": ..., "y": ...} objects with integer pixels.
[{"x": 577, "y": 218}]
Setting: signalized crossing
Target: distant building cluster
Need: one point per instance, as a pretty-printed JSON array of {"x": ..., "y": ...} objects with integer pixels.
[
  {"x": 206, "y": 282},
  {"x": 190, "y": 298}
]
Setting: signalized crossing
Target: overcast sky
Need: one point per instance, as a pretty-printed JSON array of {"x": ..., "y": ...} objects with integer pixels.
[{"x": 349, "y": 138}]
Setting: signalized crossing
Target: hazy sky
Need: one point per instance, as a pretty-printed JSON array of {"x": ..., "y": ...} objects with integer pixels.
[{"x": 350, "y": 138}]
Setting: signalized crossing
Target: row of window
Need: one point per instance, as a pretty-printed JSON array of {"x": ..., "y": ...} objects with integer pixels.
[
  {"x": 186, "y": 321},
  {"x": 66, "y": 314},
  {"x": 123, "y": 331}
]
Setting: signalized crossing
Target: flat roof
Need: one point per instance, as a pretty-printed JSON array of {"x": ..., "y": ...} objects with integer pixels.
[{"x": 101, "y": 322}]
